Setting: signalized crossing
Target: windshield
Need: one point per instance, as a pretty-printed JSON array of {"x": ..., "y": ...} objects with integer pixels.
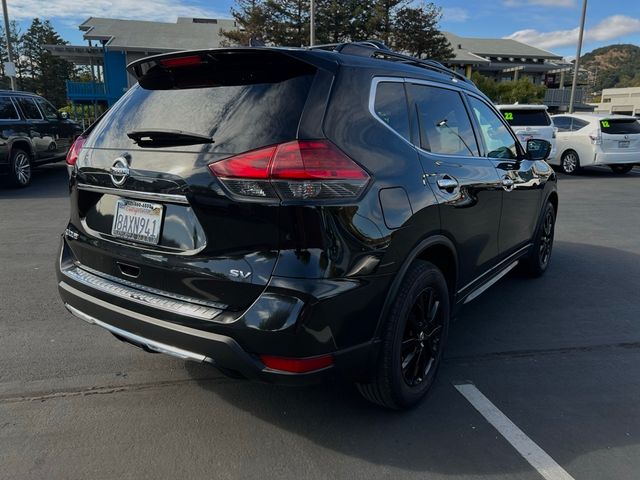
[{"x": 527, "y": 118}]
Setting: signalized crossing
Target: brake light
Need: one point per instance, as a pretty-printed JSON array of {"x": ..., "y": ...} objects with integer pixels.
[
  {"x": 177, "y": 62},
  {"x": 297, "y": 365},
  {"x": 74, "y": 151},
  {"x": 596, "y": 137},
  {"x": 298, "y": 170}
]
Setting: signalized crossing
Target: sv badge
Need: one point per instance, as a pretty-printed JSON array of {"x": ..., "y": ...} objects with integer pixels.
[{"x": 239, "y": 274}]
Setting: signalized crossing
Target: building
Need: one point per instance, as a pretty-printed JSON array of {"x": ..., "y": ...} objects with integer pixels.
[
  {"x": 623, "y": 101},
  {"x": 113, "y": 43}
]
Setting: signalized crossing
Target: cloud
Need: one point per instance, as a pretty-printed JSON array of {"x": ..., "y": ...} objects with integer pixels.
[
  {"x": 608, "y": 29},
  {"x": 455, "y": 14},
  {"x": 545, "y": 3},
  {"x": 154, "y": 10}
]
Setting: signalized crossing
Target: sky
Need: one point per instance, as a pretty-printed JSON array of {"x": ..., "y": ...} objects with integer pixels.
[{"x": 548, "y": 24}]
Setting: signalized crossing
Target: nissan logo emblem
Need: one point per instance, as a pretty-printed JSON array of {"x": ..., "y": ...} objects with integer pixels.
[{"x": 119, "y": 171}]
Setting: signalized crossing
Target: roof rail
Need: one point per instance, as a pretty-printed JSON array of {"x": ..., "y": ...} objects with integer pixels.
[{"x": 376, "y": 49}]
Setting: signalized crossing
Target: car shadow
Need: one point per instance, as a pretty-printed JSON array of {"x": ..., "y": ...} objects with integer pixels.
[
  {"x": 444, "y": 434},
  {"x": 47, "y": 181},
  {"x": 599, "y": 172}
]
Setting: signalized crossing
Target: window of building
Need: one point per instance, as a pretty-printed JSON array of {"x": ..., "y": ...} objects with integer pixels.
[
  {"x": 29, "y": 108},
  {"x": 391, "y": 106},
  {"x": 7, "y": 109},
  {"x": 445, "y": 127},
  {"x": 499, "y": 142}
]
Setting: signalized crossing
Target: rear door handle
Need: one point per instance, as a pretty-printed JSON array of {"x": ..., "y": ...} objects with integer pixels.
[{"x": 447, "y": 183}]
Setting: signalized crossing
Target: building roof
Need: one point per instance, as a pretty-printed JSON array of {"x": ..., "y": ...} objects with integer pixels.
[
  {"x": 77, "y": 54},
  {"x": 185, "y": 34},
  {"x": 494, "y": 47}
]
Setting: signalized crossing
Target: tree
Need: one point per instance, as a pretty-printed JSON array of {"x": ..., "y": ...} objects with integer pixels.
[
  {"x": 250, "y": 15},
  {"x": 521, "y": 91},
  {"x": 343, "y": 21},
  {"x": 415, "y": 31},
  {"x": 287, "y": 22}
]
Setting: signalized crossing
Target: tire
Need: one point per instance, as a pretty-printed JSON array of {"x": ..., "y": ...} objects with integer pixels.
[
  {"x": 537, "y": 261},
  {"x": 621, "y": 169},
  {"x": 402, "y": 379},
  {"x": 570, "y": 162},
  {"x": 19, "y": 168}
]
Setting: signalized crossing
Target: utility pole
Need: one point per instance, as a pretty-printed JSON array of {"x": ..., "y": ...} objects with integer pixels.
[
  {"x": 7, "y": 32},
  {"x": 576, "y": 65},
  {"x": 312, "y": 21}
]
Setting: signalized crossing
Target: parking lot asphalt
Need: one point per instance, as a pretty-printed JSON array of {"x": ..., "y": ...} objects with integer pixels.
[{"x": 559, "y": 356}]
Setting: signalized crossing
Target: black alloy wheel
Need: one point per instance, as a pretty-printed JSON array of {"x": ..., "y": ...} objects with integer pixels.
[{"x": 539, "y": 257}]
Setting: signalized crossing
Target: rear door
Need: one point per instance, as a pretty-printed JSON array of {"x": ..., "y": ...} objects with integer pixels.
[
  {"x": 41, "y": 132},
  {"x": 620, "y": 135},
  {"x": 153, "y": 210},
  {"x": 466, "y": 185},
  {"x": 62, "y": 131}
]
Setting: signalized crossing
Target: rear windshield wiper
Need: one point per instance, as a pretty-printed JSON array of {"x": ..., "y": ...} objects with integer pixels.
[{"x": 164, "y": 138}]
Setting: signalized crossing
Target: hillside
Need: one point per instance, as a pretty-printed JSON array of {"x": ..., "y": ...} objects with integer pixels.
[{"x": 613, "y": 66}]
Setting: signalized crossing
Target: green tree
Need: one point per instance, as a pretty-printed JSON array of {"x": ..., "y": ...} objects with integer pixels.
[
  {"x": 287, "y": 22},
  {"x": 521, "y": 91},
  {"x": 343, "y": 21},
  {"x": 250, "y": 15},
  {"x": 415, "y": 31}
]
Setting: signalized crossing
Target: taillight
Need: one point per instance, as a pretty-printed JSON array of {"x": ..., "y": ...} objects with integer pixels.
[
  {"x": 177, "y": 62},
  {"x": 298, "y": 170},
  {"x": 74, "y": 151},
  {"x": 596, "y": 137},
  {"x": 297, "y": 365}
]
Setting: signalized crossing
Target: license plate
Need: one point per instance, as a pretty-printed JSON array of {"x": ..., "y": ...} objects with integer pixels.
[
  {"x": 623, "y": 144},
  {"x": 137, "y": 221}
]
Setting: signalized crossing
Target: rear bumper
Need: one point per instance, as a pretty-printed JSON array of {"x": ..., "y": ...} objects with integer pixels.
[
  {"x": 187, "y": 334},
  {"x": 617, "y": 158}
]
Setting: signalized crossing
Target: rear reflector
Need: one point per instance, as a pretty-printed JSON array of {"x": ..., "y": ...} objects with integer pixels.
[
  {"x": 297, "y": 365},
  {"x": 177, "y": 62},
  {"x": 298, "y": 170},
  {"x": 74, "y": 151}
]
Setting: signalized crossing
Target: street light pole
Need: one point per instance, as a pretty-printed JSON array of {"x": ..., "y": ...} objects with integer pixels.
[
  {"x": 576, "y": 65},
  {"x": 312, "y": 21},
  {"x": 8, "y": 34}
]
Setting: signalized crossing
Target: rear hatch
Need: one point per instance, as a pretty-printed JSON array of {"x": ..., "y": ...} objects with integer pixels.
[
  {"x": 620, "y": 135},
  {"x": 530, "y": 123},
  {"x": 147, "y": 207}
]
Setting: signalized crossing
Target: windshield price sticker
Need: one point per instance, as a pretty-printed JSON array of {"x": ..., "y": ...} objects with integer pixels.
[
  {"x": 605, "y": 123},
  {"x": 508, "y": 115}
]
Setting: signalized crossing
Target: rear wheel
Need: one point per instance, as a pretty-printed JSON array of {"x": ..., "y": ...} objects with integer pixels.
[
  {"x": 537, "y": 262},
  {"x": 413, "y": 339},
  {"x": 621, "y": 169},
  {"x": 570, "y": 162},
  {"x": 19, "y": 168}
]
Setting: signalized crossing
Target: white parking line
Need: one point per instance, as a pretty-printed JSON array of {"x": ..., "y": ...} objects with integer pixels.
[{"x": 531, "y": 452}]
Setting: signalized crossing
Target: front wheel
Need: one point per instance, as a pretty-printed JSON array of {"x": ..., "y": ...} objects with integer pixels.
[
  {"x": 537, "y": 262},
  {"x": 413, "y": 339},
  {"x": 570, "y": 162},
  {"x": 621, "y": 169}
]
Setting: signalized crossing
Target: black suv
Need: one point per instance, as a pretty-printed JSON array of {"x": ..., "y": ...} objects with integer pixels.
[
  {"x": 32, "y": 132},
  {"x": 286, "y": 214}
]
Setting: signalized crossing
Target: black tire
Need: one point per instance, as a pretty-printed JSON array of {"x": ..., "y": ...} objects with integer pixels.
[
  {"x": 570, "y": 162},
  {"x": 621, "y": 169},
  {"x": 412, "y": 340},
  {"x": 538, "y": 259},
  {"x": 19, "y": 168}
]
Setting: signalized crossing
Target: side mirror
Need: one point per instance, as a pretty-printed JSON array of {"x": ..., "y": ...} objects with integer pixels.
[
  {"x": 538, "y": 149},
  {"x": 64, "y": 115}
]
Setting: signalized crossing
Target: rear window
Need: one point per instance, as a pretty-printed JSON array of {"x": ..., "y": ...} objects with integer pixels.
[
  {"x": 241, "y": 111},
  {"x": 620, "y": 126},
  {"x": 7, "y": 110},
  {"x": 391, "y": 107},
  {"x": 527, "y": 118}
]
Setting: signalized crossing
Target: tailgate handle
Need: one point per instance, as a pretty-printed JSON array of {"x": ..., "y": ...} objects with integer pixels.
[{"x": 128, "y": 270}]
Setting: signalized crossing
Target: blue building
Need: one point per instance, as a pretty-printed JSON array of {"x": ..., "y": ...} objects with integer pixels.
[{"x": 114, "y": 43}]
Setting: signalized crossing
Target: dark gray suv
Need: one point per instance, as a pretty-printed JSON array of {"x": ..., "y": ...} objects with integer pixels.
[{"x": 32, "y": 132}]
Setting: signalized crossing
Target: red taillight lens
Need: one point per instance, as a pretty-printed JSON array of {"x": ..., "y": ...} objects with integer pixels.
[
  {"x": 178, "y": 62},
  {"x": 74, "y": 151},
  {"x": 297, "y": 365},
  {"x": 298, "y": 170}
]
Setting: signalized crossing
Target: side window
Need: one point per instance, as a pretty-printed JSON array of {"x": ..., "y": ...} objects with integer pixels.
[
  {"x": 49, "y": 111},
  {"x": 445, "y": 127},
  {"x": 391, "y": 106},
  {"x": 562, "y": 123},
  {"x": 7, "y": 109},
  {"x": 499, "y": 141},
  {"x": 578, "y": 124},
  {"x": 28, "y": 107}
]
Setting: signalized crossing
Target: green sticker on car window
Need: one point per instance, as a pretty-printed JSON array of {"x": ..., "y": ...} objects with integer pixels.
[
  {"x": 605, "y": 123},
  {"x": 508, "y": 115}
]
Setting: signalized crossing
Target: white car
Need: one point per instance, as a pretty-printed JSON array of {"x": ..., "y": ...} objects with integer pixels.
[
  {"x": 530, "y": 121},
  {"x": 586, "y": 139}
]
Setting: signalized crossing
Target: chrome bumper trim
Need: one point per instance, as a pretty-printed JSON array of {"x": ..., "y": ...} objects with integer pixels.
[
  {"x": 152, "y": 196},
  {"x": 141, "y": 341},
  {"x": 126, "y": 290}
]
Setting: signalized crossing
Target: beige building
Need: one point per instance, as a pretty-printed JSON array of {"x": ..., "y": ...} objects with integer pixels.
[{"x": 623, "y": 101}]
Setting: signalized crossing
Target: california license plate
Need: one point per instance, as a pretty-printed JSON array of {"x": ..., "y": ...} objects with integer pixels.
[
  {"x": 623, "y": 144},
  {"x": 137, "y": 221}
]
